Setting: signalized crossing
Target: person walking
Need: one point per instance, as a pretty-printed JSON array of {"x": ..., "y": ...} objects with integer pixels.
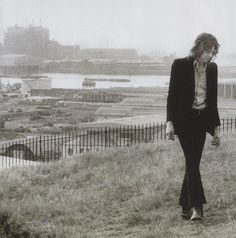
[{"x": 192, "y": 111}]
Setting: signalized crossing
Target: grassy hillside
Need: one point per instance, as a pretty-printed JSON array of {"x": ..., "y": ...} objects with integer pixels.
[{"x": 128, "y": 192}]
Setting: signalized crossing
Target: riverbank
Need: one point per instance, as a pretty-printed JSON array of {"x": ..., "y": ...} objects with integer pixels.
[{"x": 133, "y": 69}]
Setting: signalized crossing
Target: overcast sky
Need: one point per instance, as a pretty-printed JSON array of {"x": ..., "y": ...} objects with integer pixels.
[{"x": 161, "y": 25}]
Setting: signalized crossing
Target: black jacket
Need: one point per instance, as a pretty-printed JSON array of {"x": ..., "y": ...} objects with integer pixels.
[{"x": 181, "y": 94}]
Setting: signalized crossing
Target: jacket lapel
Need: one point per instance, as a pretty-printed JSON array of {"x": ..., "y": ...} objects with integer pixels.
[
  {"x": 191, "y": 78},
  {"x": 208, "y": 87}
]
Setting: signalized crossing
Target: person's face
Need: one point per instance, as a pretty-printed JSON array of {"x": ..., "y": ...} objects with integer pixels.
[{"x": 207, "y": 55}]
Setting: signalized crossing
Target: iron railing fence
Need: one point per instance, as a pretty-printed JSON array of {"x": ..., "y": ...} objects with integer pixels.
[{"x": 47, "y": 148}]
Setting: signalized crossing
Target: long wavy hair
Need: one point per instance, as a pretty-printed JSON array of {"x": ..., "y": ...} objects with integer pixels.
[{"x": 204, "y": 41}]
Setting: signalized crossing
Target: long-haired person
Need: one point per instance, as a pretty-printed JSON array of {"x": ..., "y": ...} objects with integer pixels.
[{"x": 192, "y": 112}]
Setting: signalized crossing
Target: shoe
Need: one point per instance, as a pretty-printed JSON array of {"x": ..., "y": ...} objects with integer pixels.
[
  {"x": 197, "y": 214},
  {"x": 185, "y": 213}
]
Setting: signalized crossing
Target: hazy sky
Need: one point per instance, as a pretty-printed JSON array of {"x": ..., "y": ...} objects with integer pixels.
[{"x": 161, "y": 25}]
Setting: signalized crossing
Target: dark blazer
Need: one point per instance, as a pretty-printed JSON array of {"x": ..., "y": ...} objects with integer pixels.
[{"x": 181, "y": 94}]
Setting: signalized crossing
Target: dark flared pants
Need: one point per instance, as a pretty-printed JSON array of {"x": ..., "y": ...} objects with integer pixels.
[{"x": 192, "y": 140}]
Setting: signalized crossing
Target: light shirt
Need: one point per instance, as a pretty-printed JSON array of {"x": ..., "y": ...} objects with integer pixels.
[{"x": 200, "y": 85}]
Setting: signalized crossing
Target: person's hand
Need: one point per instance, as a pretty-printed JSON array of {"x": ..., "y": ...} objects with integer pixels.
[
  {"x": 216, "y": 139},
  {"x": 170, "y": 133}
]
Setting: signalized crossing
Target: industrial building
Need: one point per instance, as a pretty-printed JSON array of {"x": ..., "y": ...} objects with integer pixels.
[{"x": 32, "y": 40}]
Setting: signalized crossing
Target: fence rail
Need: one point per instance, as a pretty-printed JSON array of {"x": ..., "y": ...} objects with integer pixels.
[{"x": 47, "y": 148}]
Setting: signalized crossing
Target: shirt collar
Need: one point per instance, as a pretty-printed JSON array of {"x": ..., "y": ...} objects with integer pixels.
[{"x": 196, "y": 64}]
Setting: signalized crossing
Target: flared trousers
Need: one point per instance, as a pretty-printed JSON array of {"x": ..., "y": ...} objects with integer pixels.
[{"x": 192, "y": 139}]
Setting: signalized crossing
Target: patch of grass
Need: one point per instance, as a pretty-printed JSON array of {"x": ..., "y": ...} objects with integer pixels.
[
  {"x": 126, "y": 192},
  {"x": 6, "y": 135}
]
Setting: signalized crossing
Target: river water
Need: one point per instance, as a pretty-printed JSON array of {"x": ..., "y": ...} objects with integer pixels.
[{"x": 74, "y": 81}]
